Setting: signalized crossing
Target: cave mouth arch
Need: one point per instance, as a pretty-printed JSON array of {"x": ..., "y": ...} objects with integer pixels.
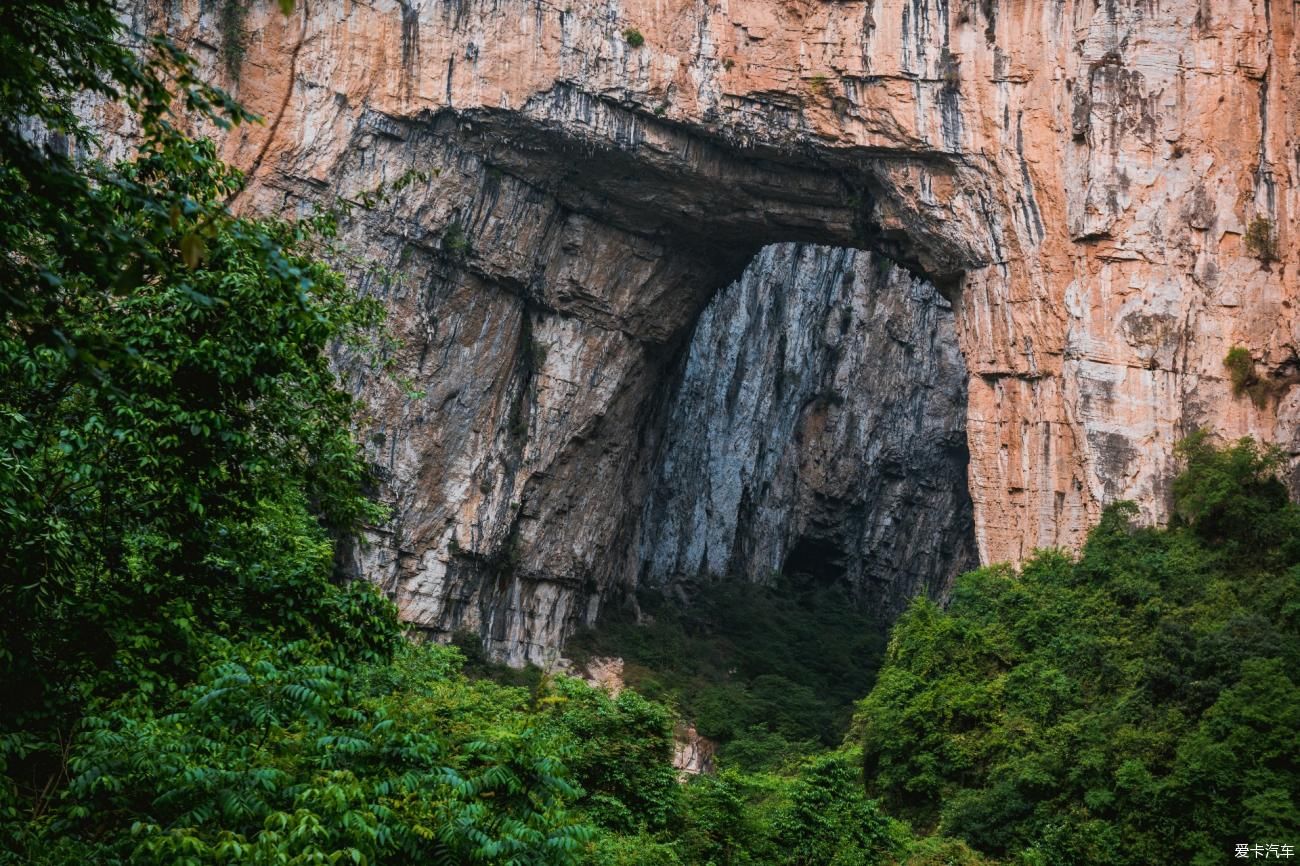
[
  {"x": 717, "y": 194},
  {"x": 815, "y": 428},
  {"x": 592, "y": 241}
]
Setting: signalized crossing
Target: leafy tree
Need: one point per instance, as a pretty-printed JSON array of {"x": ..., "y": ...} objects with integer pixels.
[
  {"x": 168, "y": 382},
  {"x": 185, "y": 680},
  {"x": 1233, "y": 498},
  {"x": 621, "y": 755},
  {"x": 722, "y": 825},
  {"x": 1133, "y": 706},
  {"x": 829, "y": 819}
]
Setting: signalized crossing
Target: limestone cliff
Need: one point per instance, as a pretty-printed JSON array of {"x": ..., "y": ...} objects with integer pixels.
[{"x": 1103, "y": 189}]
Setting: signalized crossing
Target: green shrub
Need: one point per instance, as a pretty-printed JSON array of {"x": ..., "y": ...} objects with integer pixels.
[
  {"x": 633, "y": 37},
  {"x": 829, "y": 821},
  {"x": 454, "y": 241},
  {"x": 1261, "y": 239},
  {"x": 1241, "y": 370},
  {"x": 1094, "y": 710},
  {"x": 621, "y": 755}
]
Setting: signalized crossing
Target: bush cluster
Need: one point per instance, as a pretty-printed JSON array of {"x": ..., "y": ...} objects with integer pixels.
[{"x": 1137, "y": 704}]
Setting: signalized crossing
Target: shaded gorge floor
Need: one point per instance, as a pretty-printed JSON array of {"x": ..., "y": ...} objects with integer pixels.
[{"x": 768, "y": 673}]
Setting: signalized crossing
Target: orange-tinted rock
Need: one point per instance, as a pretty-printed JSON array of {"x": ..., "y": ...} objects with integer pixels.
[{"x": 1077, "y": 176}]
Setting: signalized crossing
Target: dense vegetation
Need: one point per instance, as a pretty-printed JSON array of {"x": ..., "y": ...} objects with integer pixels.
[
  {"x": 1136, "y": 705},
  {"x": 769, "y": 673},
  {"x": 184, "y": 680}
]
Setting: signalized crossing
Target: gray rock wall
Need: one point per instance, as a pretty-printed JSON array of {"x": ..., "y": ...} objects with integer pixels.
[{"x": 819, "y": 428}]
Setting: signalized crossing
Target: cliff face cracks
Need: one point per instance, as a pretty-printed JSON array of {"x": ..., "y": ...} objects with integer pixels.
[{"x": 1064, "y": 189}]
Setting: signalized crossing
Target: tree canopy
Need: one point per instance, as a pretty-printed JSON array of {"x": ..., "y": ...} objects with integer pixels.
[
  {"x": 1137, "y": 704},
  {"x": 185, "y": 680}
]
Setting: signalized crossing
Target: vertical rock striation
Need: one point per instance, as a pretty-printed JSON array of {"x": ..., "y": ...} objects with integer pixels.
[
  {"x": 1106, "y": 192},
  {"x": 818, "y": 428}
]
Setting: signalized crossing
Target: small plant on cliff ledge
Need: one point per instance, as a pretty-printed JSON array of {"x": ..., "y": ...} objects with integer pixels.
[
  {"x": 1246, "y": 380},
  {"x": 1261, "y": 239},
  {"x": 454, "y": 240},
  {"x": 818, "y": 84},
  {"x": 1241, "y": 370},
  {"x": 633, "y": 37},
  {"x": 231, "y": 24},
  {"x": 950, "y": 71}
]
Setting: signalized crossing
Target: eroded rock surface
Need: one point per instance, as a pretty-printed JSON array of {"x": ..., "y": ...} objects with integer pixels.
[
  {"x": 818, "y": 429},
  {"x": 1078, "y": 177}
]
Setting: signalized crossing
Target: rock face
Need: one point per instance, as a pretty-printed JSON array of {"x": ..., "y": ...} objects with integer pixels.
[
  {"x": 1104, "y": 190},
  {"x": 818, "y": 428}
]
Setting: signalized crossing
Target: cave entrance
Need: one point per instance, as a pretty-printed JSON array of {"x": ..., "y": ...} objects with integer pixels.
[
  {"x": 816, "y": 426},
  {"x": 697, "y": 368},
  {"x": 808, "y": 482}
]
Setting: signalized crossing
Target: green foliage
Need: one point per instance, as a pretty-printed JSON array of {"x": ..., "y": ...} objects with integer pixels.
[
  {"x": 1241, "y": 369},
  {"x": 1245, "y": 379},
  {"x": 185, "y": 681},
  {"x": 454, "y": 240},
  {"x": 939, "y": 851},
  {"x": 1134, "y": 706},
  {"x": 768, "y": 672},
  {"x": 135, "y": 477},
  {"x": 1233, "y": 500},
  {"x": 1261, "y": 239},
  {"x": 633, "y": 37},
  {"x": 639, "y": 850},
  {"x": 171, "y": 423},
  {"x": 621, "y": 755},
  {"x": 829, "y": 821},
  {"x": 274, "y": 755},
  {"x": 721, "y": 824}
]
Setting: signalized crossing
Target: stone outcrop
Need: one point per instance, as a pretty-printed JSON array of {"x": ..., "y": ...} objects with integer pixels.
[{"x": 1103, "y": 189}]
